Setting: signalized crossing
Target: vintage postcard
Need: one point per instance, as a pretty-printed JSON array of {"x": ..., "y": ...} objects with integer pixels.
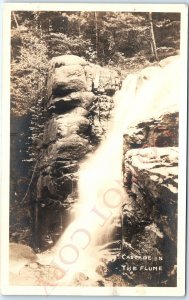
[{"x": 93, "y": 194}]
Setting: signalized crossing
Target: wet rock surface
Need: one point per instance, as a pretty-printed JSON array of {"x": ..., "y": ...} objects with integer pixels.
[
  {"x": 150, "y": 170},
  {"x": 79, "y": 107},
  {"x": 160, "y": 131}
]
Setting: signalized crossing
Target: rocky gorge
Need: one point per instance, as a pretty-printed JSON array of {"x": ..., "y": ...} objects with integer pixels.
[{"x": 79, "y": 106}]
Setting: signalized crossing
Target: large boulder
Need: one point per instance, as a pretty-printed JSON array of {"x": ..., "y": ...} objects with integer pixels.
[
  {"x": 68, "y": 148},
  {"x": 67, "y": 79},
  {"x": 151, "y": 176},
  {"x": 70, "y": 101},
  {"x": 67, "y": 124}
]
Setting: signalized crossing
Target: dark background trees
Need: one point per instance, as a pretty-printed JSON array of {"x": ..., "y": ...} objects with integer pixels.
[{"x": 119, "y": 39}]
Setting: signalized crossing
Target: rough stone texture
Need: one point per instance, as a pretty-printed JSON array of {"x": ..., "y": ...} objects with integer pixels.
[
  {"x": 101, "y": 80},
  {"x": 79, "y": 107},
  {"x": 100, "y": 116},
  {"x": 83, "y": 99},
  {"x": 67, "y": 79},
  {"x": 67, "y": 60},
  {"x": 154, "y": 168},
  {"x": 63, "y": 125},
  {"x": 76, "y": 75},
  {"x": 161, "y": 131},
  {"x": 150, "y": 212}
]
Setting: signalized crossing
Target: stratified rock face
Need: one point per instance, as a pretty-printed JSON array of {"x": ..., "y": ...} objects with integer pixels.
[
  {"x": 161, "y": 131},
  {"x": 74, "y": 82},
  {"x": 100, "y": 115},
  {"x": 150, "y": 212},
  {"x": 79, "y": 107},
  {"x": 71, "y": 74},
  {"x": 67, "y": 79}
]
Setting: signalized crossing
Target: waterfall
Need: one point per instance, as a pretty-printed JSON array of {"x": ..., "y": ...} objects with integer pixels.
[{"x": 100, "y": 177}]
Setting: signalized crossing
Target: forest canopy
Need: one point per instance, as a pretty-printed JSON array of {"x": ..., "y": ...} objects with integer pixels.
[{"x": 122, "y": 40}]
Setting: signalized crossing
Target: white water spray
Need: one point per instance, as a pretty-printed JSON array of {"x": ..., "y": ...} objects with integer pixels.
[{"x": 100, "y": 178}]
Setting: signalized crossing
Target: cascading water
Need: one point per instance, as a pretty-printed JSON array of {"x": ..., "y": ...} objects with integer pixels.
[{"x": 100, "y": 179}]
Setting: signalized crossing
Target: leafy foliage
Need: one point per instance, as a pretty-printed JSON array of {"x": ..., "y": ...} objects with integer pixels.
[
  {"x": 107, "y": 38},
  {"x": 28, "y": 72}
]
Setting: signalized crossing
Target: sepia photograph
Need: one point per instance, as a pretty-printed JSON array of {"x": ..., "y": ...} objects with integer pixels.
[{"x": 95, "y": 119}]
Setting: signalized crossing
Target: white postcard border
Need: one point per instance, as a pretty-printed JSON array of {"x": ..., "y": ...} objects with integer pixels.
[{"x": 122, "y": 291}]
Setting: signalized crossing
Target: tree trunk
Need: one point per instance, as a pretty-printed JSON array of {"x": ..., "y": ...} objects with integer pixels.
[
  {"x": 79, "y": 23},
  {"x": 16, "y": 22},
  {"x": 96, "y": 32},
  {"x": 154, "y": 48}
]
